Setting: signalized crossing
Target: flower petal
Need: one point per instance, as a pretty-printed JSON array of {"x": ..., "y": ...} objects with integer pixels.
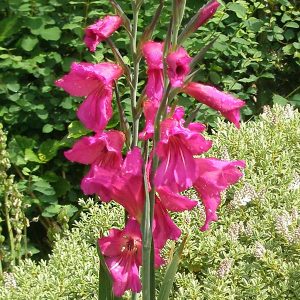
[
  {"x": 174, "y": 201},
  {"x": 206, "y": 12},
  {"x": 178, "y": 66},
  {"x": 100, "y": 31},
  {"x": 96, "y": 109},
  {"x": 163, "y": 226},
  {"x": 228, "y": 105}
]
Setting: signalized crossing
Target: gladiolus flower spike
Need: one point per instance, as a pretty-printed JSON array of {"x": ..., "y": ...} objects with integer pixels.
[{"x": 173, "y": 164}]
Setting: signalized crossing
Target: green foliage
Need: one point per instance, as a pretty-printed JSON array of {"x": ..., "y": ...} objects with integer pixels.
[
  {"x": 256, "y": 57},
  {"x": 252, "y": 252}
]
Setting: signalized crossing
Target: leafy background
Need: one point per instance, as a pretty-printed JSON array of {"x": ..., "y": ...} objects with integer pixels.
[{"x": 256, "y": 57}]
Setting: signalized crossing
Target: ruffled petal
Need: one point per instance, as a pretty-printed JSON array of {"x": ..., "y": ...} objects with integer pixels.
[
  {"x": 150, "y": 109},
  {"x": 153, "y": 53},
  {"x": 174, "y": 201},
  {"x": 214, "y": 176},
  {"x": 99, "y": 181},
  {"x": 211, "y": 204},
  {"x": 100, "y": 31},
  {"x": 178, "y": 66},
  {"x": 96, "y": 110},
  {"x": 80, "y": 81},
  {"x": 128, "y": 186},
  {"x": 95, "y": 149},
  {"x": 163, "y": 226}
]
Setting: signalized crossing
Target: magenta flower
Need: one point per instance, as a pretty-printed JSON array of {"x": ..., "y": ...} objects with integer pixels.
[
  {"x": 176, "y": 148},
  {"x": 214, "y": 177},
  {"x": 178, "y": 66},
  {"x": 128, "y": 186},
  {"x": 226, "y": 104},
  {"x": 96, "y": 82},
  {"x": 122, "y": 250},
  {"x": 163, "y": 226},
  {"x": 100, "y": 31},
  {"x": 103, "y": 148},
  {"x": 150, "y": 109},
  {"x": 206, "y": 12},
  {"x": 174, "y": 201},
  {"x": 103, "y": 152},
  {"x": 153, "y": 53}
]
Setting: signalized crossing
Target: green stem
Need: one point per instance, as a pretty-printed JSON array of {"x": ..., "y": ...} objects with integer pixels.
[
  {"x": 25, "y": 240},
  {"x": 292, "y": 92},
  {"x": 135, "y": 75},
  {"x": 9, "y": 229},
  {"x": 148, "y": 278}
]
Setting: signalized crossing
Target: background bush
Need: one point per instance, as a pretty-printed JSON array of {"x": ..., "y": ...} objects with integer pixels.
[
  {"x": 252, "y": 252},
  {"x": 256, "y": 57}
]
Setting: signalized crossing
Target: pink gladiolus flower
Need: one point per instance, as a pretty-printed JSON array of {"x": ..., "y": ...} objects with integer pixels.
[
  {"x": 150, "y": 109},
  {"x": 122, "y": 250},
  {"x": 178, "y": 66},
  {"x": 153, "y": 53},
  {"x": 128, "y": 186},
  {"x": 100, "y": 31},
  {"x": 175, "y": 201},
  {"x": 163, "y": 226},
  {"x": 176, "y": 149},
  {"x": 129, "y": 191},
  {"x": 103, "y": 152},
  {"x": 226, "y": 104},
  {"x": 206, "y": 12},
  {"x": 96, "y": 82},
  {"x": 214, "y": 177},
  {"x": 98, "y": 149}
]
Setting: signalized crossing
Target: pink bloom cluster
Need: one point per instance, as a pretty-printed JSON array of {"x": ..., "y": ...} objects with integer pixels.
[{"x": 114, "y": 177}]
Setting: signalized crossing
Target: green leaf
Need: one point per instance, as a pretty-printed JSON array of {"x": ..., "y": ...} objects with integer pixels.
[
  {"x": 28, "y": 43},
  {"x": 76, "y": 130},
  {"x": 105, "y": 282},
  {"x": 14, "y": 86},
  {"x": 168, "y": 280},
  {"x": 48, "y": 150},
  {"x": 61, "y": 186},
  {"x": 240, "y": 10},
  {"x": 279, "y": 100},
  {"x": 254, "y": 24},
  {"x": 51, "y": 34},
  {"x": 292, "y": 25},
  {"x": 16, "y": 149},
  {"x": 214, "y": 77},
  {"x": 69, "y": 210},
  {"x": 31, "y": 156},
  {"x": 47, "y": 128},
  {"x": 42, "y": 186},
  {"x": 8, "y": 26},
  {"x": 51, "y": 210}
]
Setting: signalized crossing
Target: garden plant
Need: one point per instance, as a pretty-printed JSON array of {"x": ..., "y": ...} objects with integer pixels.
[
  {"x": 149, "y": 181},
  {"x": 141, "y": 135}
]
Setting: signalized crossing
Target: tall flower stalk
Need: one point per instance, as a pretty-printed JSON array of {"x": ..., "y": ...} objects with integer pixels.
[{"x": 162, "y": 159}]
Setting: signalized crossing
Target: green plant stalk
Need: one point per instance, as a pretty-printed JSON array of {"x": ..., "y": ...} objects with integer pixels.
[
  {"x": 123, "y": 120},
  {"x": 10, "y": 231},
  {"x": 178, "y": 7},
  {"x": 25, "y": 241},
  {"x": 148, "y": 275},
  {"x": 135, "y": 75}
]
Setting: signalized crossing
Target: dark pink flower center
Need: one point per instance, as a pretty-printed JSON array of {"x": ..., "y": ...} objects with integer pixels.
[{"x": 180, "y": 70}]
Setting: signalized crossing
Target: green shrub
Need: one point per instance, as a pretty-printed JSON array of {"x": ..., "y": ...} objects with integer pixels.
[
  {"x": 256, "y": 56},
  {"x": 252, "y": 252}
]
